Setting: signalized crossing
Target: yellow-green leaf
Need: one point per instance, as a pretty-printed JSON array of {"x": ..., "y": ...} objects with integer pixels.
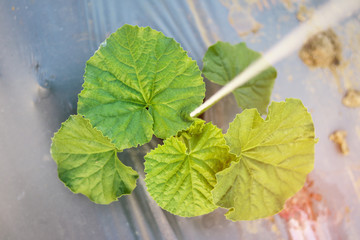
[
  {"x": 88, "y": 163},
  {"x": 274, "y": 157},
  {"x": 181, "y": 173}
]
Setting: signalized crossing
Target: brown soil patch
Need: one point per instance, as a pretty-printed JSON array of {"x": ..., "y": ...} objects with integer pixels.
[
  {"x": 339, "y": 137},
  {"x": 322, "y": 50}
]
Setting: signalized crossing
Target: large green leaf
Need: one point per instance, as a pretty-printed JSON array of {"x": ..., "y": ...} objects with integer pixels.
[
  {"x": 274, "y": 157},
  {"x": 223, "y": 61},
  {"x": 140, "y": 82},
  {"x": 88, "y": 164},
  {"x": 181, "y": 173}
]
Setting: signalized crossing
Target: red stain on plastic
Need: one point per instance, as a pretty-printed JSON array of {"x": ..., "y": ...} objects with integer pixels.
[{"x": 305, "y": 214}]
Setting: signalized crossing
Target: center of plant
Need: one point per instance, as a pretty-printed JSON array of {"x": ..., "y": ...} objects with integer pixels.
[{"x": 251, "y": 170}]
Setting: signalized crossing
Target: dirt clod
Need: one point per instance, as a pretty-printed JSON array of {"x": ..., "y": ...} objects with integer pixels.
[
  {"x": 351, "y": 98},
  {"x": 339, "y": 137},
  {"x": 322, "y": 50},
  {"x": 304, "y": 13}
]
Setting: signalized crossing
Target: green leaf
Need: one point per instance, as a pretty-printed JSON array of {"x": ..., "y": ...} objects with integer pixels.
[
  {"x": 140, "y": 83},
  {"x": 181, "y": 173},
  {"x": 274, "y": 157},
  {"x": 88, "y": 164},
  {"x": 223, "y": 61}
]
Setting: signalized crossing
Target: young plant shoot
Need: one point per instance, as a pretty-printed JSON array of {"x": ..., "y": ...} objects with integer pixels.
[{"x": 140, "y": 83}]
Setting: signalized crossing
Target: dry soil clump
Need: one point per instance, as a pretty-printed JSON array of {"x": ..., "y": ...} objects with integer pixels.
[{"x": 322, "y": 50}]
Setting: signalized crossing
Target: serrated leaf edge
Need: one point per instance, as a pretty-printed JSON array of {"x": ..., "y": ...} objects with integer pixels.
[{"x": 238, "y": 158}]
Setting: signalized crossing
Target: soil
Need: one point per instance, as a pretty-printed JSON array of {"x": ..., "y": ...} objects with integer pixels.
[
  {"x": 351, "y": 98},
  {"x": 339, "y": 137},
  {"x": 241, "y": 19},
  {"x": 304, "y": 13},
  {"x": 322, "y": 50}
]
